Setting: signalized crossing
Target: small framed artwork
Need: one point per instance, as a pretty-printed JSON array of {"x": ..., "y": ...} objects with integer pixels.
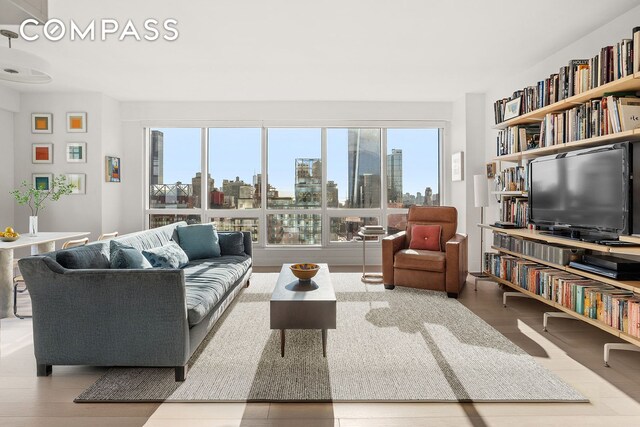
[
  {"x": 77, "y": 152},
  {"x": 512, "y": 108},
  {"x": 112, "y": 169},
  {"x": 457, "y": 166},
  {"x": 42, "y": 153},
  {"x": 42, "y": 181},
  {"x": 41, "y": 123},
  {"x": 78, "y": 180},
  {"x": 76, "y": 122},
  {"x": 491, "y": 170}
]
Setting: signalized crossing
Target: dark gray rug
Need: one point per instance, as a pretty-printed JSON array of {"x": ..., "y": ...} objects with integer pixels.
[{"x": 400, "y": 345}]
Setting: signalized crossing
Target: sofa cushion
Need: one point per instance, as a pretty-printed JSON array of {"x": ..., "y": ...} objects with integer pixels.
[
  {"x": 231, "y": 243},
  {"x": 417, "y": 259},
  {"x": 95, "y": 255},
  {"x": 207, "y": 281},
  {"x": 170, "y": 255},
  {"x": 426, "y": 237},
  {"x": 199, "y": 241},
  {"x": 153, "y": 238},
  {"x": 125, "y": 256}
]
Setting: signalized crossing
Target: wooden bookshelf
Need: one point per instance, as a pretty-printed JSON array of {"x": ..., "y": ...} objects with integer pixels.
[
  {"x": 627, "y": 285},
  {"x": 594, "y": 322},
  {"x": 568, "y": 146},
  {"x": 624, "y": 84},
  {"x": 537, "y": 235}
]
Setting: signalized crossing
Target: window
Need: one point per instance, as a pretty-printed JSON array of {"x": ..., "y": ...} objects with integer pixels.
[
  {"x": 234, "y": 184},
  {"x": 174, "y": 168},
  {"x": 294, "y": 169},
  {"x": 413, "y": 174},
  {"x": 298, "y": 187},
  {"x": 238, "y": 224},
  {"x": 353, "y": 168}
]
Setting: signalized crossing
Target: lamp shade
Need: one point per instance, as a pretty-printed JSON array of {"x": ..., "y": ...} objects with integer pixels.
[
  {"x": 23, "y": 67},
  {"x": 480, "y": 191}
]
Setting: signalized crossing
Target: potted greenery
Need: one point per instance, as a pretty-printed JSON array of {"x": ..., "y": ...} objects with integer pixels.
[{"x": 35, "y": 198}]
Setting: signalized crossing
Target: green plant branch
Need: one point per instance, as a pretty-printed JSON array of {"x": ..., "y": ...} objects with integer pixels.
[{"x": 28, "y": 195}]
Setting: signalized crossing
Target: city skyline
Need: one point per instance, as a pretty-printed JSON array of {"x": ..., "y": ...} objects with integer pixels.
[{"x": 225, "y": 143}]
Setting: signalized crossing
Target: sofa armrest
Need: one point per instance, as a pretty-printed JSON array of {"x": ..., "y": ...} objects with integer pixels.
[
  {"x": 456, "y": 263},
  {"x": 391, "y": 245},
  {"x": 248, "y": 243},
  {"x": 107, "y": 317}
]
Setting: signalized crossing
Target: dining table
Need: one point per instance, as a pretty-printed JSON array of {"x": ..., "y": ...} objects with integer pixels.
[{"x": 43, "y": 242}]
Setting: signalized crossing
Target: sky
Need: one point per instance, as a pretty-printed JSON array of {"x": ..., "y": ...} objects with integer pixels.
[{"x": 236, "y": 152}]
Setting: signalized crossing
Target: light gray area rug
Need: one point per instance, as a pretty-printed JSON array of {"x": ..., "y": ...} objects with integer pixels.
[{"x": 400, "y": 345}]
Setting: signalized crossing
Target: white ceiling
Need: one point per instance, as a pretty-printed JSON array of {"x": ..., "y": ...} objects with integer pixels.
[{"x": 378, "y": 50}]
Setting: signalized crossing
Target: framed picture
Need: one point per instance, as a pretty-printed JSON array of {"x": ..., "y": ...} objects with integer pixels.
[
  {"x": 77, "y": 152},
  {"x": 42, "y": 153},
  {"x": 491, "y": 170},
  {"x": 112, "y": 169},
  {"x": 76, "y": 122},
  {"x": 79, "y": 182},
  {"x": 512, "y": 108},
  {"x": 42, "y": 181},
  {"x": 41, "y": 123},
  {"x": 457, "y": 166}
]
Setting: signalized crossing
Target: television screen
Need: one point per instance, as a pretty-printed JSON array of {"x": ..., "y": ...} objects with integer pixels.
[{"x": 582, "y": 189}]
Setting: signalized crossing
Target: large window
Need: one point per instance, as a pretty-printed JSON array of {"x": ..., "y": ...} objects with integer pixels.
[
  {"x": 234, "y": 183},
  {"x": 292, "y": 186},
  {"x": 174, "y": 168}
]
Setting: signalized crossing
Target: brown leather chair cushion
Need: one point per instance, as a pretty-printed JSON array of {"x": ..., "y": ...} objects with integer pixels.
[{"x": 416, "y": 259}]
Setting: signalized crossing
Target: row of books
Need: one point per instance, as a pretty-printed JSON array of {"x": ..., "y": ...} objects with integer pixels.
[
  {"x": 612, "y": 306},
  {"x": 514, "y": 179},
  {"x": 615, "y": 113},
  {"x": 517, "y": 138},
  {"x": 515, "y": 210},
  {"x": 578, "y": 76}
]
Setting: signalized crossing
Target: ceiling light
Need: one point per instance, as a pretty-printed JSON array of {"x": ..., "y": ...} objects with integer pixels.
[{"x": 21, "y": 67}]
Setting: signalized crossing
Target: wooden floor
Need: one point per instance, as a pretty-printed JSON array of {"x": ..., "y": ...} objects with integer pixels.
[{"x": 571, "y": 349}]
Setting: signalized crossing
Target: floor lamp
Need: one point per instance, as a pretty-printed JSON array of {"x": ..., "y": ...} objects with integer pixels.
[{"x": 481, "y": 200}]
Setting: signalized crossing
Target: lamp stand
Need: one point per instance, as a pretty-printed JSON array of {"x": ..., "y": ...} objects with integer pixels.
[{"x": 480, "y": 274}]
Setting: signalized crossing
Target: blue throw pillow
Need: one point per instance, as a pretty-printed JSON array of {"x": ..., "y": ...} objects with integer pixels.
[
  {"x": 124, "y": 256},
  {"x": 169, "y": 255},
  {"x": 199, "y": 241},
  {"x": 232, "y": 243}
]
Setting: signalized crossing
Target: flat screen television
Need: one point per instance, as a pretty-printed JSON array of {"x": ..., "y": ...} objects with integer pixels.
[{"x": 586, "y": 190}]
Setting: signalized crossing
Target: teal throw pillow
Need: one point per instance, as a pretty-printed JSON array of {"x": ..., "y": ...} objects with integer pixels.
[
  {"x": 169, "y": 255},
  {"x": 199, "y": 241},
  {"x": 124, "y": 256}
]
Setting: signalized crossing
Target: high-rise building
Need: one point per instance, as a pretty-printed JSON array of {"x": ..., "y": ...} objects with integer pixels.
[
  {"x": 428, "y": 196},
  {"x": 364, "y": 168},
  {"x": 308, "y": 183},
  {"x": 332, "y": 195},
  {"x": 238, "y": 194},
  {"x": 157, "y": 157},
  {"x": 394, "y": 176}
]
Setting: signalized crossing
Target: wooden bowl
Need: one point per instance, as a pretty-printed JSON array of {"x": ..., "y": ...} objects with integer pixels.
[{"x": 304, "y": 271}]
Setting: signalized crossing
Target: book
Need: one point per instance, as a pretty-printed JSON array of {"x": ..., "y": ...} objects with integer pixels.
[
  {"x": 628, "y": 113},
  {"x": 636, "y": 49}
]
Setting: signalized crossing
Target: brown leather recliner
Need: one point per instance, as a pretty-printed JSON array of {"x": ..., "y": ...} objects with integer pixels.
[{"x": 435, "y": 270}]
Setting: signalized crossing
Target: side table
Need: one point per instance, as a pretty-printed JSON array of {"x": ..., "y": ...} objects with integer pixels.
[{"x": 369, "y": 277}]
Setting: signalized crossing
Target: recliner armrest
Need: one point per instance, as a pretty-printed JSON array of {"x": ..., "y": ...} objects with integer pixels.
[
  {"x": 391, "y": 245},
  {"x": 456, "y": 263}
]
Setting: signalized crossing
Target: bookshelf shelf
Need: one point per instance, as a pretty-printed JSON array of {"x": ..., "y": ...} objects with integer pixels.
[
  {"x": 510, "y": 193},
  {"x": 627, "y": 83},
  {"x": 537, "y": 235},
  {"x": 568, "y": 146},
  {"x": 628, "y": 285},
  {"x": 594, "y": 322}
]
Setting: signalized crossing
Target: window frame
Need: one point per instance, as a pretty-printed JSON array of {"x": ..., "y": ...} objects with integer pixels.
[{"x": 261, "y": 213}]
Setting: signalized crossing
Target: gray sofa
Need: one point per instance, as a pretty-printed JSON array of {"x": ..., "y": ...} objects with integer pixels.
[{"x": 85, "y": 313}]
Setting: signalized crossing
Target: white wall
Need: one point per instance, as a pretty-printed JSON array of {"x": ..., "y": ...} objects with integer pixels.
[
  {"x": 85, "y": 212},
  {"x": 112, "y": 192},
  {"x": 6, "y": 171},
  {"x": 585, "y": 47}
]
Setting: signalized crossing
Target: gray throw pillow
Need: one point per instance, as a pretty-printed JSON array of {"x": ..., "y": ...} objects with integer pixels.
[
  {"x": 232, "y": 243},
  {"x": 124, "y": 256},
  {"x": 169, "y": 255},
  {"x": 89, "y": 256}
]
